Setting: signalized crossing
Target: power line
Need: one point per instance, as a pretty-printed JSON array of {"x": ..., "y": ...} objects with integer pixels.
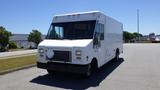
[{"x": 138, "y": 23}]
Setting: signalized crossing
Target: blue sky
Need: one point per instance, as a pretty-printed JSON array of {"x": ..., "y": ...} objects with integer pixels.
[{"x": 21, "y": 16}]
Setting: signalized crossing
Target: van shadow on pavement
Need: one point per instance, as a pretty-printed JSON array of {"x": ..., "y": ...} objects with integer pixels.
[{"x": 73, "y": 81}]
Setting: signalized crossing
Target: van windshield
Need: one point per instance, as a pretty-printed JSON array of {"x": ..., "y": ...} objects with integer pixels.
[{"x": 72, "y": 30}]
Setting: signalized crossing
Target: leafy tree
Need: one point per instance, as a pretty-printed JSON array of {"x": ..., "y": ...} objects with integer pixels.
[
  {"x": 4, "y": 38},
  {"x": 136, "y": 35},
  {"x": 12, "y": 45},
  {"x": 35, "y": 36},
  {"x": 127, "y": 36}
]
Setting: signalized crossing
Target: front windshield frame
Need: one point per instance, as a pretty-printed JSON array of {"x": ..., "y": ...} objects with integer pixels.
[{"x": 71, "y": 32}]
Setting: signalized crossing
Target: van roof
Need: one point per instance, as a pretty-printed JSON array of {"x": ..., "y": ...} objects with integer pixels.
[
  {"x": 89, "y": 12},
  {"x": 64, "y": 17}
]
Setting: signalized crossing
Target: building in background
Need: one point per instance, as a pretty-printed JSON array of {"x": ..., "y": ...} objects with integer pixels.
[{"x": 22, "y": 40}]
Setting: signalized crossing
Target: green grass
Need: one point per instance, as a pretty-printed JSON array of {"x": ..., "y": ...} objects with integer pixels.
[
  {"x": 10, "y": 50},
  {"x": 12, "y": 63}
]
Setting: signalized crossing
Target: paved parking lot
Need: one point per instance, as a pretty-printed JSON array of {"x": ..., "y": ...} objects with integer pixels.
[{"x": 137, "y": 69}]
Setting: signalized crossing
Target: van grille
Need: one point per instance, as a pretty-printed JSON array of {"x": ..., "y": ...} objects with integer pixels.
[{"x": 62, "y": 56}]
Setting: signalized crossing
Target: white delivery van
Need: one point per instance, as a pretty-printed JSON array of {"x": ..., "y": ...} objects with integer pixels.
[{"x": 80, "y": 43}]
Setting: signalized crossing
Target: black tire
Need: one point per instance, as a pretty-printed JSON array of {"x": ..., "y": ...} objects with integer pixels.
[
  {"x": 116, "y": 56},
  {"x": 89, "y": 71},
  {"x": 50, "y": 72},
  {"x": 92, "y": 67}
]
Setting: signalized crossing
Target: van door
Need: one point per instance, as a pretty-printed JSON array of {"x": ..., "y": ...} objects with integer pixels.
[{"x": 99, "y": 43}]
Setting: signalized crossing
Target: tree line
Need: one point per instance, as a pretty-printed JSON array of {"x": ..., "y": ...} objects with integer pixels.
[
  {"x": 5, "y": 43},
  {"x": 129, "y": 37}
]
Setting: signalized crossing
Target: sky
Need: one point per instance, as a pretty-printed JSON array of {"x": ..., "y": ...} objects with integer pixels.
[{"x": 22, "y": 16}]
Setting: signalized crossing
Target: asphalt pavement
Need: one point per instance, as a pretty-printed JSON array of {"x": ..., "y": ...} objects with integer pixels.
[{"x": 137, "y": 69}]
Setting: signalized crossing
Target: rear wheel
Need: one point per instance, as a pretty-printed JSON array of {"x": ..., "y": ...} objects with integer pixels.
[{"x": 116, "y": 55}]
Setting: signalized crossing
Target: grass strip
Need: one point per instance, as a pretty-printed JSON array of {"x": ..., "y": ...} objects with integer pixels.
[
  {"x": 13, "y": 63},
  {"x": 16, "y": 56},
  {"x": 10, "y": 50}
]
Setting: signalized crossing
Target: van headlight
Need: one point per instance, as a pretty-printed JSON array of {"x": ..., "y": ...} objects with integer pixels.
[
  {"x": 78, "y": 53},
  {"x": 50, "y": 54},
  {"x": 41, "y": 50}
]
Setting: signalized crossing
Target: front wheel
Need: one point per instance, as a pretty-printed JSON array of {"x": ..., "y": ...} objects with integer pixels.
[
  {"x": 50, "y": 72},
  {"x": 89, "y": 71}
]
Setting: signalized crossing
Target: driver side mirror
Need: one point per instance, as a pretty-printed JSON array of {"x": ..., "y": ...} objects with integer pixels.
[{"x": 95, "y": 41}]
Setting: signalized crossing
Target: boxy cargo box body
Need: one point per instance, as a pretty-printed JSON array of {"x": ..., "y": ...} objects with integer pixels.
[{"x": 79, "y": 42}]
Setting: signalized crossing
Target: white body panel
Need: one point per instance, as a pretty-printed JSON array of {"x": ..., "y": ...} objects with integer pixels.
[
  {"x": 65, "y": 43},
  {"x": 103, "y": 54}
]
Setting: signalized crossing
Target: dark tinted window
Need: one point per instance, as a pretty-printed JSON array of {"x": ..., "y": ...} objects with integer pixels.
[{"x": 72, "y": 30}]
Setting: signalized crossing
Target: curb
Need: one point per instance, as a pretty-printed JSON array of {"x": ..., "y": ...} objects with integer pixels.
[{"x": 16, "y": 69}]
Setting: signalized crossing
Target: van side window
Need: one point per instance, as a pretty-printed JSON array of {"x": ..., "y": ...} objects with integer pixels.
[
  {"x": 101, "y": 31},
  {"x": 99, "y": 34},
  {"x": 96, "y": 41}
]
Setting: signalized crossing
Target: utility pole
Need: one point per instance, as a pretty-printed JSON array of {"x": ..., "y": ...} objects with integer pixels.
[{"x": 138, "y": 24}]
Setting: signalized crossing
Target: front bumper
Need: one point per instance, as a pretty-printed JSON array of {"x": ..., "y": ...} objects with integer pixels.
[{"x": 64, "y": 67}]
